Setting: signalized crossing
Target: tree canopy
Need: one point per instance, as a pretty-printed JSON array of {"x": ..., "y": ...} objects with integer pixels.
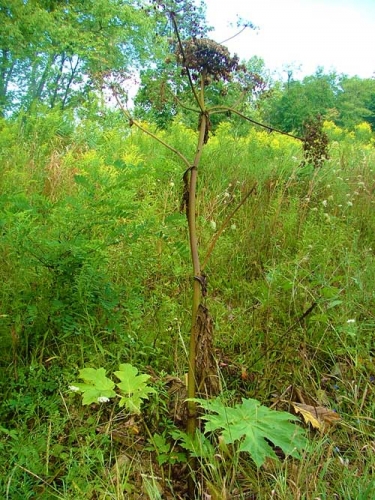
[
  {"x": 56, "y": 53},
  {"x": 51, "y": 51},
  {"x": 345, "y": 100}
]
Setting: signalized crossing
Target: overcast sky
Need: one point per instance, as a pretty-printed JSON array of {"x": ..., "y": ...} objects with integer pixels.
[{"x": 305, "y": 34}]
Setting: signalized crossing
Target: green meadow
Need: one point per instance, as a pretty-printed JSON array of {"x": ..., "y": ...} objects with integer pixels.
[{"x": 96, "y": 272}]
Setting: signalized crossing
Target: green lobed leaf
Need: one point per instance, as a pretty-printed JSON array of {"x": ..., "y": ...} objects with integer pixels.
[
  {"x": 133, "y": 386},
  {"x": 253, "y": 425},
  {"x": 198, "y": 446},
  {"x": 97, "y": 378},
  {"x": 96, "y": 385},
  {"x": 160, "y": 443}
]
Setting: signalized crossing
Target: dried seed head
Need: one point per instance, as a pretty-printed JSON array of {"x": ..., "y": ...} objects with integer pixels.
[
  {"x": 315, "y": 143},
  {"x": 205, "y": 56}
]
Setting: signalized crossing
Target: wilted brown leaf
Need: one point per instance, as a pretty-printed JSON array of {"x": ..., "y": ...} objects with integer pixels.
[{"x": 317, "y": 416}]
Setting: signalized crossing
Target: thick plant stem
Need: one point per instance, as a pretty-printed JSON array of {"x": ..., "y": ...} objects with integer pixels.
[
  {"x": 192, "y": 416},
  {"x": 191, "y": 211}
]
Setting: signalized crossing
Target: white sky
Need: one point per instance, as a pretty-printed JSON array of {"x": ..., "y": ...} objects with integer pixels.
[{"x": 305, "y": 34}]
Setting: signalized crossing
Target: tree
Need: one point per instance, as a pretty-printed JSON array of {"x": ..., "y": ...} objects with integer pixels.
[
  {"x": 301, "y": 101},
  {"x": 51, "y": 51},
  {"x": 356, "y": 102}
]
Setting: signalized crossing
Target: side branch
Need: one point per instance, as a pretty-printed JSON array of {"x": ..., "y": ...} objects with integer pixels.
[
  {"x": 224, "y": 225},
  {"x": 175, "y": 27},
  {"x": 285, "y": 334},
  {"x": 225, "y": 109},
  {"x": 148, "y": 132},
  {"x": 180, "y": 103}
]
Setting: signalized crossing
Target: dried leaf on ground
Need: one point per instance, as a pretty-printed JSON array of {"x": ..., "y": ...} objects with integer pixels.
[{"x": 318, "y": 416}]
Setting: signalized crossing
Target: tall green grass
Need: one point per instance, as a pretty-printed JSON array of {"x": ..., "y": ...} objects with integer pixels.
[{"x": 95, "y": 270}]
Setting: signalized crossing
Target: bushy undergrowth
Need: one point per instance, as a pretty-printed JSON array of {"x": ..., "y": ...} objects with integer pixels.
[{"x": 95, "y": 272}]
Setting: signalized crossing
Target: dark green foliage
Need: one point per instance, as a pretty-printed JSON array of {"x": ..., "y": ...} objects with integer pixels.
[
  {"x": 345, "y": 100},
  {"x": 54, "y": 52},
  {"x": 94, "y": 266},
  {"x": 61, "y": 246},
  {"x": 252, "y": 426},
  {"x": 355, "y": 102},
  {"x": 301, "y": 101}
]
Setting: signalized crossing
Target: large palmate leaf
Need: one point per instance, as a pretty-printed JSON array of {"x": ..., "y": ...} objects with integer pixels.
[
  {"x": 134, "y": 387},
  {"x": 97, "y": 387},
  {"x": 253, "y": 426}
]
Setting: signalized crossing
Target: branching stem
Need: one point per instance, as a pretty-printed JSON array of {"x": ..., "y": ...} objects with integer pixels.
[
  {"x": 176, "y": 30},
  {"x": 225, "y": 109},
  {"x": 224, "y": 225},
  {"x": 192, "y": 419},
  {"x": 148, "y": 132}
]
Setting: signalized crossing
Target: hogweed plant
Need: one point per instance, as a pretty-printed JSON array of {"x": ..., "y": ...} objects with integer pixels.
[
  {"x": 204, "y": 63},
  {"x": 98, "y": 388},
  {"x": 249, "y": 427}
]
